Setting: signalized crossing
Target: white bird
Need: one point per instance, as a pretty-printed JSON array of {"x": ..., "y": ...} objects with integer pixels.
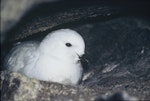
[{"x": 56, "y": 59}]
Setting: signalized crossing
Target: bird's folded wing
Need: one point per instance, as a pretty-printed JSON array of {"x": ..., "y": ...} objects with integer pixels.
[{"x": 21, "y": 55}]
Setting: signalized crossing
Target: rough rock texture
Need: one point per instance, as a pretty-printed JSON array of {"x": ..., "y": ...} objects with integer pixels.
[
  {"x": 36, "y": 16},
  {"x": 117, "y": 37},
  {"x": 16, "y": 87},
  {"x": 119, "y": 54},
  {"x": 13, "y": 10}
]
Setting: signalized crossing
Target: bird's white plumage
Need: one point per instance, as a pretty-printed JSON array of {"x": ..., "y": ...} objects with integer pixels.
[{"x": 50, "y": 60}]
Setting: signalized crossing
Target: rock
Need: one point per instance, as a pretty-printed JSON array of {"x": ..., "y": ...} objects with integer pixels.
[
  {"x": 36, "y": 16},
  {"x": 120, "y": 96},
  {"x": 119, "y": 55},
  {"x": 13, "y": 10},
  {"x": 17, "y": 87}
]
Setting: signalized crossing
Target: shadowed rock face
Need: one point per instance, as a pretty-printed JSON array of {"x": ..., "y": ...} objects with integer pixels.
[
  {"x": 119, "y": 55},
  {"x": 119, "y": 46},
  {"x": 118, "y": 50}
]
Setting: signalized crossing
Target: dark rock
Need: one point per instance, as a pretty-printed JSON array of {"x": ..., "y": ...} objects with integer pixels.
[
  {"x": 120, "y": 96},
  {"x": 116, "y": 55},
  {"x": 13, "y": 10}
]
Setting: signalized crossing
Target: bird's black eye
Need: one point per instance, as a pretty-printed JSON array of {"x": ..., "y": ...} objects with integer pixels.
[{"x": 68, "y": 44}]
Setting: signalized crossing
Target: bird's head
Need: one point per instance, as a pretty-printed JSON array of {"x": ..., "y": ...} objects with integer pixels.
[{"x": 65, "y": 44}]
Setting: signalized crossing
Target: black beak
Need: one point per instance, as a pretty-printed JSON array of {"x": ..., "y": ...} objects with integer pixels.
[{"x": 84, "y": 61}]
